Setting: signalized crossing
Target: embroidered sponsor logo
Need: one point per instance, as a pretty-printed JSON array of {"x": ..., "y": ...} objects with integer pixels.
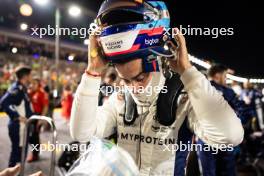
[
  {"x": 146, "y": 139},
  {"x": 155, "y": 129},
  {"x": 162, "y": 129}
]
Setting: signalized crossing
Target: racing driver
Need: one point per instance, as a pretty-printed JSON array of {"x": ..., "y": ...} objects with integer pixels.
[{"x": 148, "y": 124}]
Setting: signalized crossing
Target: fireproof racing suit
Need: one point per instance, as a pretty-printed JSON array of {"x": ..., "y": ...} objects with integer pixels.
[{"x": 148, "y": 142}]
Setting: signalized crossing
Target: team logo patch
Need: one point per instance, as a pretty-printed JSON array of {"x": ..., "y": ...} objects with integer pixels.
[{"x": 155, "y": 129}]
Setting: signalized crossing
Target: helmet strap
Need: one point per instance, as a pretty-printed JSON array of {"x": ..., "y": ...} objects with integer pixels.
[{"x": 150, "y": 64}]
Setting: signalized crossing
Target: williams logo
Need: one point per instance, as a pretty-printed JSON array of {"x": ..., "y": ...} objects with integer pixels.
[
  {"x": 151, "y": 42},
  {"x": 155, "y": 129},
  {"x": 161, "y": 129},
  {"x": 114, "y": 44}
]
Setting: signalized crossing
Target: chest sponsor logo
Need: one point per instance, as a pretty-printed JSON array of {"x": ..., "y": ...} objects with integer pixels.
[
  {"x": 146, "y": 139},
  {"x": 155, "y": 129},
  {"x": 162, "y": 129}
]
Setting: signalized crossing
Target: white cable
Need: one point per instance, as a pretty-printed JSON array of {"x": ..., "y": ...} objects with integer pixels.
[{"x": 160, "y": 54}]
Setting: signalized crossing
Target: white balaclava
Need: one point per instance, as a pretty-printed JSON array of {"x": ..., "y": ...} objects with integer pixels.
[{"x": 149, "y": 94}]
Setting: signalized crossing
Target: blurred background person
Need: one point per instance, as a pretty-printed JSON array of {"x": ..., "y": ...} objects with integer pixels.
[
  {"x": 252, "y": 97},
  {"x": 252, "y": 148},
  {"x": 224, "y": 162},
  {"x": 16, "y": 104},
  {"x": 40, "y": 102},
  {"x": 66, "y": 103},
  {"x": 39, "y": 97}
]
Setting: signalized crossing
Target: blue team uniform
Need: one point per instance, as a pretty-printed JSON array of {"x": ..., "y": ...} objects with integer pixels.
[
  {"x": 255, "y": 104},
  {"x": 15, "y": 102},
  {"x": 223, "y": 163}
]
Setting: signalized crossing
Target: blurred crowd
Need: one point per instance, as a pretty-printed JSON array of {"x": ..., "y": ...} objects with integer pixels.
[
  {"x": 54, "y": 81},
  {"x": 37, "y": 48}
]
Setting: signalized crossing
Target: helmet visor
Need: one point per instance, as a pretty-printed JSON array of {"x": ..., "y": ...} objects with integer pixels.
[
  {"x": 125, "y": 12},
  {"x": 120, "y": 16}
]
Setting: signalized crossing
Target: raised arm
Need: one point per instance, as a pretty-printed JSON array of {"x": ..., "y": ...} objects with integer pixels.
[
  {"x": 87, "y": 119},
  {"x": 210, "y": 116}
]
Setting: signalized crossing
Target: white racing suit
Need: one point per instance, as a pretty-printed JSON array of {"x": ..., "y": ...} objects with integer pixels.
[{"x": 207, "y": 114}]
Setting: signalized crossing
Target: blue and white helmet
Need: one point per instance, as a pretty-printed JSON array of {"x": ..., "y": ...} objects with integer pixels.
[{"x": 132, "y": 28}]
